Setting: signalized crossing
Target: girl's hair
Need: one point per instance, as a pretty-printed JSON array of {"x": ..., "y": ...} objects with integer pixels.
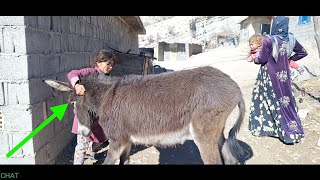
[
  {"x": 103, "y": 56},
  {"x": 256, "y": 38}
]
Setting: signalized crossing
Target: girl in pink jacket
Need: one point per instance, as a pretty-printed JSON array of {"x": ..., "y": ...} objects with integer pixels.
[{"x": 102, "y": 63}]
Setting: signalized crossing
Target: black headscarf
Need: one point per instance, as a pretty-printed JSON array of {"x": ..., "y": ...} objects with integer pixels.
[{"x": 280, "y": 27}]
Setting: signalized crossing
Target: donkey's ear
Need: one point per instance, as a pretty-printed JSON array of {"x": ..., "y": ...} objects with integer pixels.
[{"x": 61, "y": 86}]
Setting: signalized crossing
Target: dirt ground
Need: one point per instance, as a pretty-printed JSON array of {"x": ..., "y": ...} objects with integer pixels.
[{"x": 262, "y": 150}]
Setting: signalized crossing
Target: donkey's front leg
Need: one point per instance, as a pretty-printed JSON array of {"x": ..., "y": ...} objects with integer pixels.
[{"x": 115, "y": 150}]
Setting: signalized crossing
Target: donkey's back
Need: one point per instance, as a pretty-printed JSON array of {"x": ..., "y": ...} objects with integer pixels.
[{"x": 169, "y": 108}]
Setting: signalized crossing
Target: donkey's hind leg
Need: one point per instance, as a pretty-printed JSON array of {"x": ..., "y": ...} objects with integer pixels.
[
  {"x": 125, "y": 156},
  {"x": 207, "y": 141}
]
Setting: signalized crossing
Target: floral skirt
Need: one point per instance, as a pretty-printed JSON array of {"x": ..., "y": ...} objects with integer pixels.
[{"x": 265, "y": 118}]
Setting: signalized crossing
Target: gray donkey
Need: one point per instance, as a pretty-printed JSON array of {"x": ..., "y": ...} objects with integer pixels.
[{"x": 162, "y": 110}]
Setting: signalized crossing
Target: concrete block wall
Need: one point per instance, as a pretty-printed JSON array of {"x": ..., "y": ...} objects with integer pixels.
[
  {"x": 34, "y": 48},
  {"x": 304, "y": 33},
  {"x": 16, "y": 117}
]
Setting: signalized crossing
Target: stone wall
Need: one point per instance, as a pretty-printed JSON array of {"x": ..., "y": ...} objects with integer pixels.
[{"x": 34, "y": 48}]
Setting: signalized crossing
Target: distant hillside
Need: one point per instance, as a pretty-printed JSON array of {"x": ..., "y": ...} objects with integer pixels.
[
  {"x": 149, "y": 20},
  {"x": 187, "y": 29}
]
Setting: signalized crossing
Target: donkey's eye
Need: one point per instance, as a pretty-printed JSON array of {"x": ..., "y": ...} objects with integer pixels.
[{"x": 91, "y": 114}]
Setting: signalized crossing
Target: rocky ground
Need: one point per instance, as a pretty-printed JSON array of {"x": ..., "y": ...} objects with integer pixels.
[{"x": 263, "y": 150}]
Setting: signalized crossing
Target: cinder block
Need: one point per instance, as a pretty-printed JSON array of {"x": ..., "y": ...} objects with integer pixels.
[
  {"x": 99, "y": 21},
  {"x": 61, "y": 141},
  {"x": 77, "y": 43},
  {"x": 49, "y": 65},
  {"x": 62, "y": 77},
  {"x": 34, "y": 66},
  {"x": 1, "y": 40},
  {"x": 83, "y": 28},
  {"x": 2, "y": 94},
  {"x": 57, "y": 23},
  {"x": 39, "y": 113},
  {"x": 4, "y": 141},
  {"x": 81, "y": 18},
  {"x": 56, "y": 43},
  {"x": 14, "y": 40},
  {"x": 17, "y": 118},
  {"x": 26, "y": 150},
  {"x": 66, "y": 64},
  {"x": 39, "y": 91},
  {"x": 65, "y": 24},
  {"x": 78, "y": 29},
  {"x": 38, "y": 42},
  {"x": 31, "y": 21},
  {"x": 88, "y": 19},
  {"x": 87, "y": 30},
  {"x": 18, "y": 93},
  {"x": 45, "y": 136},
  {"x": 103, "y": 36},
  {"x": 83, "y": 42},
  {"x": 94, "y": 32},
  {"x": 71, "y": 43},
  {"x": 94, "y": 20},
  {"x": 72, "y": 25},
  {"x": 89, "y": 45},
  {"x": 13, "y": 67},
  {"x": 12, "y": 20},
  {"x": 77, "y": 60},
  {"x": 44, "y": 22},
  {"x": 64, "y": 43}
]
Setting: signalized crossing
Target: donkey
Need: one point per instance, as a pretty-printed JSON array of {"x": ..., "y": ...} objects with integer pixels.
[{"x": 162, "y": 110}]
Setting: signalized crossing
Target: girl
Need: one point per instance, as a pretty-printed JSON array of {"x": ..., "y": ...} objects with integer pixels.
[{"x": 103, "y": 62}]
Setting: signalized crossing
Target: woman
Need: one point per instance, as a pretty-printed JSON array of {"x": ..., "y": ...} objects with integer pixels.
[{"x": 273, "y": 109}]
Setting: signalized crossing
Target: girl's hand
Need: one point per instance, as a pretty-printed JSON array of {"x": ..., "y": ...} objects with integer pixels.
[{"x": 79, "y": 89}]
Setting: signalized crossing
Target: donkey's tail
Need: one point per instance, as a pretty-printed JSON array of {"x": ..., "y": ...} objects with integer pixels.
[
  {"x": 236, "y": 127},
  {"x": 236, "y": 150}
]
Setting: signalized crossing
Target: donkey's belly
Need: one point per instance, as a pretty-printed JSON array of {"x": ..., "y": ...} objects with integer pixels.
[{"x": 165, "y": 139}]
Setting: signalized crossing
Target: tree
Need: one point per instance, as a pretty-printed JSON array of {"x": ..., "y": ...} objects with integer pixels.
[{"x": 316, "y": 23}]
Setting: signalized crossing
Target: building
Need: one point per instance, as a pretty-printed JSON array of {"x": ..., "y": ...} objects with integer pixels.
[
  {"x": 176, "y": 51},
  {"x": 254, "y": 25}
]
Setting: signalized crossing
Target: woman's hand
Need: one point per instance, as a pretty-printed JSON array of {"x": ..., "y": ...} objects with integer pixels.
[{"x": 79, "y": 89}]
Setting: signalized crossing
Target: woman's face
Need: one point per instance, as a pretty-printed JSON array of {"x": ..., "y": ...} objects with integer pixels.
[{"x": 106, "y": 66}]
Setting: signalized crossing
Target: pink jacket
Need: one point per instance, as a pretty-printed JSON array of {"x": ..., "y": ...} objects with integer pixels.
[{"x": 97, "y": 134}]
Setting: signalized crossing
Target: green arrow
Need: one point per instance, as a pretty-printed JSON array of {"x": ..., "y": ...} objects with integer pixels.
[{"x": 58, "y": 111}]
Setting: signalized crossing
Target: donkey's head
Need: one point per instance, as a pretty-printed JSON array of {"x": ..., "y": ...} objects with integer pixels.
[{"x": 84, "y": 106}]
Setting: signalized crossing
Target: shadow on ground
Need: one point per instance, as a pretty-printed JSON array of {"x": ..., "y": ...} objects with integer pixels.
[{"x": 187, "y": 153}]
